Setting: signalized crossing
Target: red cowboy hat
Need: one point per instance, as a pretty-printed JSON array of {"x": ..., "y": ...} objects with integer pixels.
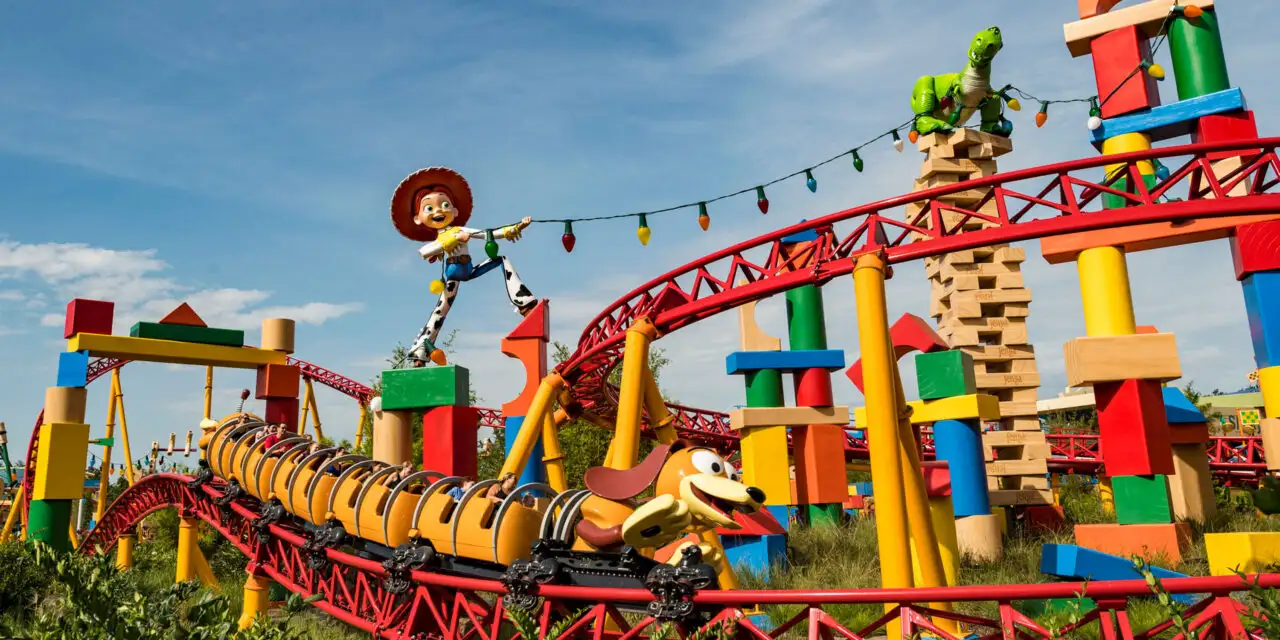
[{"x": 404, "y": 202}]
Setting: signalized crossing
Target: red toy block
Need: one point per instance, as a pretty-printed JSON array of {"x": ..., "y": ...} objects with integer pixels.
[
  {"x": 855, "y": 502},
  {"x": 184, "y": 315},
  {"x": 1256, "y": 247},
  {"x": 1189, "y": 433},
  {"x": 909, "y": 333},
  {"x": 535, "y": 326},
  {"x": 813, "y": 388},
  {"x": 1224, "y": 127},
  {"x": 937, "y": 478},
  {"x": 277, "y": 381},
  {"x": 820, "y": 468},
  {"x": 1115, "y": 56},
  {"x": 1134, "y": 433},
  {"x": 89, "y": 316},
  {"x": 449, "y": 440},
  {"x": 1164, "y": 542},
  {"x": 1044, "y": 517},
  {"x": 282, "y": 411}
]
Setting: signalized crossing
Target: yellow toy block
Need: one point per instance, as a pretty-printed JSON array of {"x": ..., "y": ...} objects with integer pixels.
[
  {"x": 1269, "y": 382},
  {"x": 1249, "y": 552},
  {"x": 1148, "y": 17},
  {"x": 762, "y": 466},
  {"x": 977, "y": 406},
  {"x": 149, "y": 350},
  {"x": 787, "y": 417},
  {"x": 1143, "y": 356},
  {"x": 60, "y": 465}
]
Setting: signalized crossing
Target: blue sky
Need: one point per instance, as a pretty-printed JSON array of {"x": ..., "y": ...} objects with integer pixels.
[{"x": 241, "y": 157}]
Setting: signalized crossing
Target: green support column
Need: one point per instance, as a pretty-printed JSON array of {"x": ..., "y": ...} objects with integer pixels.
[
  {"x": 806, "y": 322},
  {"x": 1199, "y": 66},
  {"x": 48, "y": 521}
]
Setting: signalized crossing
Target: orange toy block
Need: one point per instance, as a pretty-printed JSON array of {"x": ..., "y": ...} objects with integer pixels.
[
  {"x": 1153, "y": 542},
  {"x": 277, "y": 381},
  {"x": 1115, "y": 56},
  {"x": 1132, "y": 428},
  {"x": 1144, "y": 237},
  {"x": 533, "y": 354},
  {"x": 820, "y": 468},
  {"x": 184, "y": 315},
  {"x": 1091, "y": 8}
]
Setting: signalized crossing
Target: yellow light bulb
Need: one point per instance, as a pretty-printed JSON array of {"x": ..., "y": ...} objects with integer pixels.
[
  {"x": 1156, "y": 71},
  {"x": 1014, "y": 104},
  {"x": 643, "y": 233},
  {"x": 437, "y": 287}
]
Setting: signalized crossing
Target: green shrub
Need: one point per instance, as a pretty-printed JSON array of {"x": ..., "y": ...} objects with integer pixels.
[{"x": 21, "y": 581}]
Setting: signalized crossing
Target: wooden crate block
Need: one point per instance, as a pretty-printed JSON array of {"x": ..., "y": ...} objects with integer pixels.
[
  {"x": 1148, "y": 17},
  {"x": 1013, "y": 409},
  {"x": 764, "y": 467},
  {"x": 1093, "y": 360},
  {"x": 1115, "y": 56},
  {"x": 980, "y": 538},
  {"x": 980, "y": 269},
  {"x": 449, "y": 440},
  {"x": 961, "y": 166},
  {"x": 1270, "y": 429},
  {"x": 188, "y": 333},
  {"x": 277, "y": 381},
  {"x": 88, "y": 316},
  {"x": 1006, "y": 366},
  {"x": 1191, "y": 485},
  {"x": 1019, "y": 497},
  {"x": 1017, "y": 468},
  {"x": 1156, "y": 543},
  {"x": 425, "y": 387},
  {"x": 1247, "y": 552},
  {"x": 1016, "y": 310},
  {"x": 1012, "y": 438},
  {"x": 60, "y": 465},
  {"x": 961, "y": 139},
  {"x": 1141, "y": 499},
  {"x": 974, "y": 336},
  {"x": 1022, "y": 424},
  {"x": 969, "y": 304},
  {"x": 147, "y": 350},
  {"x": 787, "y": 416},
  {"x": 1001, "y": 353},
  {"x": 1007, "y": 452},
  {"x": 1134, "y": 433},
  {"x": 971, "y": 407},
  {"x": 1008, "y": 380},
  {"x": 943, "y": 374}
]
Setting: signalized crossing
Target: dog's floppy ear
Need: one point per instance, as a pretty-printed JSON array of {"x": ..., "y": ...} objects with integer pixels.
[{"x": 618, "y": 484}]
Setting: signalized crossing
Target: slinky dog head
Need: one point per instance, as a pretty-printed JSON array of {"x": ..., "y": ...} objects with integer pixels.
[{"x": 697, "y": 476}]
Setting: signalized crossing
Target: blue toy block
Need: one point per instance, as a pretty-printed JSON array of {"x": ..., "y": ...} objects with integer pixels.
[
  {"x": 1178, "y": 408},
  {"x": 73, "y": 368},
  {"x": 762, "y": 621},
  {"x": 744, "y": 361},
  {"x": 756, "y": 553},
  {"x": 534, "y": 469},
  {"x": 800, "y": 236},
  {"x": 1078, "y": 563},
  {"x": 1262, "y": 306},
  {"x": 959, "y": 442},
  {"x": 863, "y": 489},
  {"x": 781, "y": 513},
  {"x": 858, "y": 434},
  {"x": 1170, "y": 120}
]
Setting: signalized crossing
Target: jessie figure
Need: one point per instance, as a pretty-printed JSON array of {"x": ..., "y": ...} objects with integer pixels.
[{"x": 432, "y": 206}]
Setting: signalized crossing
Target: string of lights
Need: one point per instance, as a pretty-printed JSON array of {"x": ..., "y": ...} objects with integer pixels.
[{"x": 1009, "y": 96}]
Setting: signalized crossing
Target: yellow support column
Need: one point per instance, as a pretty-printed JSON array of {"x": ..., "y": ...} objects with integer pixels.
[
  {"x": 255, "y": 599},
  {"x": 552, "y": 456},
  {"x": 124, "y": 551},
  {"x": 1104, "y": 292},
  {"x": 306, "y": 407},
  {"x": 919, "y": 517},
  {"x": 882, "y": 429},
  {"x": 118, "y": 393},
  {"x": 188, "y": 549},
  {"x": 364, "y": 415},
  {"x": 635, "y": 360},
  {"x": 208, "y": 393},
  {"x": 105, "y": 483},
  {"x": 12, "y": 518},
  {"x": 522, "y": 448},
  {"x": 660, "y": 420}
]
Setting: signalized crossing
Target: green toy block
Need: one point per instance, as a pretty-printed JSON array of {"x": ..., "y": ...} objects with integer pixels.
[
  {"x": 1112, "y": 201},
  {"x": 425, "y": 387},
  {"x": 825, "y": 515},
  {"x": 945, "y": 374},
  {"x": 187, "y": 333},
  {"x": 1141, "y": 499},
  {"x": 1055, "y": 606}
]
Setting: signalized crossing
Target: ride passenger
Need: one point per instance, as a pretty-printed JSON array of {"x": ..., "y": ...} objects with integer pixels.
[
  {"x": 458, "y": 490},
  {"x": 506, "y": 484}
]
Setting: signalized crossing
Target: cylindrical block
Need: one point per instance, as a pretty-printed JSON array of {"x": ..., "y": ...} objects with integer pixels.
[
  {"x": 1199, "y": 65},
  {"x": 812, "y": 387},
  {"x": 806, "y": 326},
  {"x": 1125, "y": 143},
  {"x": 960, "y": 444},
  {"x": 1106, "y": 495},
  {"x": 277, "y": 334},
  {"x": 979, "y": 538},
  {"x": 124, "y": 551},
  {"x": 392, "y": 437},
  {"x": 49, "y": 521},
  {"x": 764, "y": 388},
  {"x": 64, "y": 404},
  {"x": 1104, "y": 291}
]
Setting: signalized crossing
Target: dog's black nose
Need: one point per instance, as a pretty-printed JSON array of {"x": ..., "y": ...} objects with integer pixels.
[{"x": 756, "y": 494}]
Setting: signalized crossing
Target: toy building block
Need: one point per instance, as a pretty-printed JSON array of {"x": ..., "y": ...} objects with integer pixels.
[
  {"x": 969, "y": 303},
  {"x": 755, "y": 553},
  {"x": 943, "y": 374},
  {"x": 763, "y": 467},
  {"x": 278, "y": 334},
  {"x": 425, "y": 387},
  {"x": 1171, "y": 120},
  {"x": 909, "y": 333},
  {"x": 1115, "y": 56},
  {"x": 282, "y": 411},
  {"x": 863, "y": 488},
  {"x": 536, "y": 325},
  {"x": 751, "y": 336},
  {"x": 787, "y": 416},
  {"x": 1148, "y": 17},
  {"x": 1143, "y": 237},
  {"x": 964, "y": 140},
  {"x": 1020, "y": 497},
  {"x": 1248, "y": 552},
  {"x": 1132, "y": 428},
  {"x": 1256, "y": 248},
  {"x": 1195, "y": 48},
  {"x": 73, "y": 369},
  {"x": 64, "y": 404},
  {"x": 393, "y": 437},
  {"x": 532, "y": 353},
  {"x": 1270, "y": 430},
  {"x": 1091, "y": 8},
  {"x": 1094, "y": 360},
  {"x": 820, "y": 466},
  {"x": 959, "y": 443},
  {"x": 60, "y": 465},
  {"x": 978, "y": 406},
  {"x": 1262, "y": 307},
  {"x": 188, "y": 333},
  {"x": 183, "y": 314},
  {"x": 1162, "y": 543},
  {"x": 744, "y": 361},
  {"x": 1191, "y": 485},
  {"x": 277, "y": 381},
  {"x": 1141, "y": 499},
  {"x": 449, "y": 440},
  {"x": 944, "y": 527},
  {"x": 1115, "y": 201},
  {"x": 824, "y": 514},
  {"x": 88, "y": 316},
  {"x": 979, "y": 537},
  {"x": 148, "y": 350},
  {"x": 535, "y": 470},
  {"x": 781, "y": 513},
  {"x": 1045, "y": 518},
  {"x": 937, "y": 478},
  {"x": 1269, "y": 382},
  {"x": 1073, "y": 562},
  {"x": 1225, "y": 127},
  {"x": 1178, "y": 409}
]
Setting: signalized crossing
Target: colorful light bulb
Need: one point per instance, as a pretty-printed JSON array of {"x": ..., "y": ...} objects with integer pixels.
[
  {"x": 857, "y": 161},
  {"x": 490, "y": 245},
  {"x": 1095, "y": 114},
  {"x": 1162, "y": 172},
  {"x": 1153, "y": 69},
  {"x": 913, "y": 136},
  {"x": 704, "y": 218},
  {"x": 762, "y": 202},
  {"x": 1043, "y": 116},
  {"x": 643, "y": 231},
  {"x": 437, "y": 287},
  {"x": 809, "y": 181},
  {"x": 568, "y": 239},
  {"x": 1012, "y": 102},
  {"x": 897, "y": 141},
  {"x": 1190, "y": 11}
]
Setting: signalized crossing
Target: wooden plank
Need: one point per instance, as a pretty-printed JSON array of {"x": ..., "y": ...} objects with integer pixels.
[
  {"x": 1148, "y": 17},
  {"x": 1149, "y": 356},
  {"x": 1001, "y": 353},
  {"x": 1016, "y": 497},
  {"x": 1007, "y": 380},
  {"x": 1011, "y": 438},
  {"x": 147, "y": 350},
  {"x": 1017, "y": 468},
  {"x": 1170, "y": 120},
  {"x": 787, "y": 416}
]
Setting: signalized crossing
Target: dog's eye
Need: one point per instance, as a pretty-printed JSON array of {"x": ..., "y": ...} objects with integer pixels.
[{"x": 708, "y": 462}]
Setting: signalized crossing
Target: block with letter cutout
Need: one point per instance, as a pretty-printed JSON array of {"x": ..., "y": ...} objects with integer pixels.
[{"x": 1150, "y": 356}]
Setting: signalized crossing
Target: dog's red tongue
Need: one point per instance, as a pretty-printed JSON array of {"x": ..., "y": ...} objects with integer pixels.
[
  {"x": 619, "y": 484},
  {"x": 759, "y": 523}
]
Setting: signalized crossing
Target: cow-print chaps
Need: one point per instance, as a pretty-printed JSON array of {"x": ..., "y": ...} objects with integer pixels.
[{"x": 519, "y": 295}]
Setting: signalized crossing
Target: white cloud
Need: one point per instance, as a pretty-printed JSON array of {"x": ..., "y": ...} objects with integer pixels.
[{"x": 12, "y": 296}]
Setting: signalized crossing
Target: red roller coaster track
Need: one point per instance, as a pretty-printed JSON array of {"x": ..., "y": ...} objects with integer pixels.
[{"x": 441, "y": 606}]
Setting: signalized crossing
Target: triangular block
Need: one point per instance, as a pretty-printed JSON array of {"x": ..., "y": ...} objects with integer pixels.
[
  {"x": 536, "y": 325},
  {"x": 1178, "y": 408},
  {"x": 184, "y": 315}
]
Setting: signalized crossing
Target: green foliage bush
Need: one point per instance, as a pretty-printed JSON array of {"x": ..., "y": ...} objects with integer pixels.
[{"x": 21, "y": 581}]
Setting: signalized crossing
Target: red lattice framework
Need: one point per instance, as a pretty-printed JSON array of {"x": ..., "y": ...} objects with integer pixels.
[{"x": 461, "y": 608}]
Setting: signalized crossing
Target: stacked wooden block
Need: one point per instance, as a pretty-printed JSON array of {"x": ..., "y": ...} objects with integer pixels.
[
  {"x": 449, "y": 423},
  {"x": 980, "y": 304}
]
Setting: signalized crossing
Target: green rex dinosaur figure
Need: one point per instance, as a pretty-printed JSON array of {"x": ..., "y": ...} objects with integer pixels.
[{"x": 946, "y": 101}]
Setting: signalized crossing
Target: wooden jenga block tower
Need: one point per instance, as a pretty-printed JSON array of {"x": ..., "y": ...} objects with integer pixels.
[{"x": 980, "y": 305}]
